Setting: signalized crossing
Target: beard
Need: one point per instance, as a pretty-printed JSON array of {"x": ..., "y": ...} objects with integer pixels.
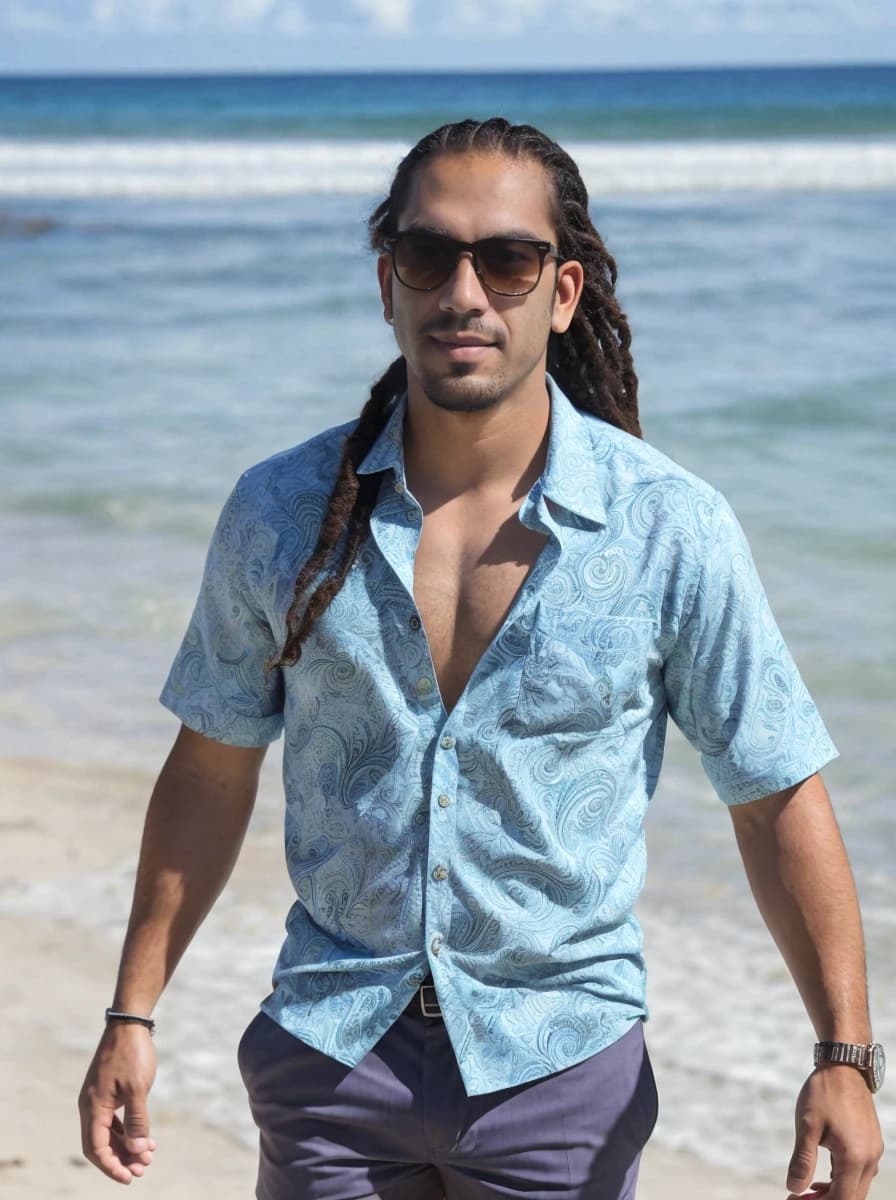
[{"x": 462, "y": 391}]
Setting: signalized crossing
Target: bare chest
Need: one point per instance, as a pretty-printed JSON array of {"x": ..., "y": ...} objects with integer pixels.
[{"x": 467, "y": 573}]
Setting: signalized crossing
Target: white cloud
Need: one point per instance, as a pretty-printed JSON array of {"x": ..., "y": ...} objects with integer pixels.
[
  {"x": 578, "y": 25},
  {"x": 519, "y": 12},
  {"x": 291, "y": 20},
  {"x": 285, "y": 15},
  {"x": 28, "y": 19},
  {"x": 103, "y": 12},
  {"x": 391, "y": 16},
  {"x": 504, "y": 16},
  {"x": 143, "y": 14},
  {"x": 726, "y": 15},
  {"x": 246, "y": 12}
]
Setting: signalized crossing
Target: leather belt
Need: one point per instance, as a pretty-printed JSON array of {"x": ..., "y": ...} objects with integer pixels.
[{"x": 426, "y": 1002}]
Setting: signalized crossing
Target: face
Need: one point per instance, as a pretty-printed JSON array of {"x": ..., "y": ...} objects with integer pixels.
[{"x": 467, "y": 348}]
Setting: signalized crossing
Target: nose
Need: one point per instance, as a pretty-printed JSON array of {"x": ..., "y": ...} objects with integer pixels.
[{"x": 463, "y": 291}]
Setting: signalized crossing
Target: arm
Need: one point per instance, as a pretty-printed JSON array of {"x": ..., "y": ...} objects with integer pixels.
[
  {"x": 204, "y": 786},
  {"x": 797, "y": 868}
]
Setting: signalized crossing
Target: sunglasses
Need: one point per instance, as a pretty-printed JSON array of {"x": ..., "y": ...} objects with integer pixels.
[{"x": 508, "y": 266}]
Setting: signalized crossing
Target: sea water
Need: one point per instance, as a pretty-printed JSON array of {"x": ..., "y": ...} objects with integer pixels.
[{"x": 185, "y": 288}]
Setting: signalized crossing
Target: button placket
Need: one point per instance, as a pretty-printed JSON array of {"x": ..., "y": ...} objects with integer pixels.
[{"x": 441, "y": 844}]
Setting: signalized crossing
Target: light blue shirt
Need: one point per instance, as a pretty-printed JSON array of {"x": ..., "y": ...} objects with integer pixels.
[{"x": 499, "y": 846}]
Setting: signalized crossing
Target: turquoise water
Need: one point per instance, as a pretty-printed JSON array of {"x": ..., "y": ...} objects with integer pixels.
[
  {"x": 184, "y": 289},
  {"x": 618, "y": 105}
]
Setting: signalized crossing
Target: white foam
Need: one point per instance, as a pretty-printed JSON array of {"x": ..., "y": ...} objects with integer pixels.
[{"x": 226, "y": 169}]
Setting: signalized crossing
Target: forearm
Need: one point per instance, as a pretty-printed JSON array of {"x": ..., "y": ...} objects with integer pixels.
[
  {"x": 799, "y": 873},
  {"x": 195, "y": 824}
]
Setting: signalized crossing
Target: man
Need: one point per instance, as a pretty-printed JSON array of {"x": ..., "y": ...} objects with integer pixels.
[{"x": 470, "y": 612}]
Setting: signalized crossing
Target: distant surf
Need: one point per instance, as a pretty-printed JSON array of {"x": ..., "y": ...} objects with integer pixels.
[{"x": 177, "y": 168}]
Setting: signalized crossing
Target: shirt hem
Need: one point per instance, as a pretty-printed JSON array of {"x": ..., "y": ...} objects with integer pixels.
[
  {"x": 771, "y": 782},
  {"x": 262, "y": 731}
]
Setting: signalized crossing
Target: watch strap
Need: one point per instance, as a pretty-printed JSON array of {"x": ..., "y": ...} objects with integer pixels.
[{"x": 851, "y": 1053}]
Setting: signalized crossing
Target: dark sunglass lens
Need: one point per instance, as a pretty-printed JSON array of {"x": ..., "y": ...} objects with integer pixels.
[
  {"x": 424, "y": 260},
  {"x": 508, "y": 265}
]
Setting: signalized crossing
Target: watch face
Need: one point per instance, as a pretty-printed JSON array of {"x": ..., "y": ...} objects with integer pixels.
[{"x": 878, "y": 1067}]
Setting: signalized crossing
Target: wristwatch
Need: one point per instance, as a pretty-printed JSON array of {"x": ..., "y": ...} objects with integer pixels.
[{"x": 870, "y": 1060}]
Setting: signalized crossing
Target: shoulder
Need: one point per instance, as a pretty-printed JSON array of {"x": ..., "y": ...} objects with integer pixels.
[
  {"x": 652, "y": 489},
  {"x": 274, "y": 511},
  {"x": 308, "y": 468}
]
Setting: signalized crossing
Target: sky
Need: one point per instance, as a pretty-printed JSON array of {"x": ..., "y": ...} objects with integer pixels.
[{"x": 300, "y": 35}]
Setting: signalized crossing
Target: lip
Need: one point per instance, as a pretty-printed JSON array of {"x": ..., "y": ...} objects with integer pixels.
[{"x": 463, "y": 349}]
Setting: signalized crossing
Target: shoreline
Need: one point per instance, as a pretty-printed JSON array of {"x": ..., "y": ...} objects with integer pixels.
[{"x": 59, "y": 821}]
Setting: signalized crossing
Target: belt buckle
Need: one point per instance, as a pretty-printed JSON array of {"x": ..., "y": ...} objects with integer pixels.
[{"x": 429, "y": 1007}]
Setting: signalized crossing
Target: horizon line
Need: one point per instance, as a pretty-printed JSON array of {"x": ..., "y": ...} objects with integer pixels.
[{"x": 654, "y": 68}]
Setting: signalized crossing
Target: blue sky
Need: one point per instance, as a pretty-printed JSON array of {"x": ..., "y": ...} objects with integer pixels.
[{"x": 243, "y": 35}]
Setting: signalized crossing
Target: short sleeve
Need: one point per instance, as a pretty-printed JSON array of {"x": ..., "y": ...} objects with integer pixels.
[
  {"x": 217, "y": 684},
  {"x": 731, "y": 684}
]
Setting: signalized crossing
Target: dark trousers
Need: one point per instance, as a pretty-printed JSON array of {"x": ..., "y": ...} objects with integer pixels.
[{"x": 399, "y": 1125}]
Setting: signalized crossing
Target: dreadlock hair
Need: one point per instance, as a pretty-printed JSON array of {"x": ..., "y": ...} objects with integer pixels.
[{"x": 591, "y": 361}]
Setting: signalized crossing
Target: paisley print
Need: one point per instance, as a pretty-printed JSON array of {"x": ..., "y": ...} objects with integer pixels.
[{"x": 500, "y": 847}]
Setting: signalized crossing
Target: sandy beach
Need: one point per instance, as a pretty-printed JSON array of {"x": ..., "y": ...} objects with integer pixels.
[{"x": 64, "y": 824}]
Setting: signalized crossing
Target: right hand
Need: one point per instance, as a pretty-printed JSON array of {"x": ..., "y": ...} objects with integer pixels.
[{"x": 120, "y": 1076}]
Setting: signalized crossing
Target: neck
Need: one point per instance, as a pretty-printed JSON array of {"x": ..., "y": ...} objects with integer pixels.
[{"x": 500, "y": 451}]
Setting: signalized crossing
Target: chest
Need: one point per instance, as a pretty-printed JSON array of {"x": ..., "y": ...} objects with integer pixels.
[{"x": 468, "y": 570}]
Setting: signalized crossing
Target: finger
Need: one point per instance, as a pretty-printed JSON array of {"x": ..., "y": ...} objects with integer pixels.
[
  {"x": 128, "y": 1157},
  {"x": 867, "y": 1180},
  {"x": 844, "y": 1184},
  {"x": 100, "y": 1150},
  {"x": 803, "y": 1160},
  {"x": 119, "y": 1129},
  {"x": 864, "y": 1188},
  {"x": 852, "y": 1172},
  {"x": 136, "y": 1124}
]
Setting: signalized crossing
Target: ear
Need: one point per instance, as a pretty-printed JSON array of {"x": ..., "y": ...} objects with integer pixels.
[
  {"x": 567, "y": 293},
  {"x": 384, "y": 275}
]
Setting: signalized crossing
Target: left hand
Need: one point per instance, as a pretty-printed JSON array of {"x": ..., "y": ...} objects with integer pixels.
[{"x": 835, "y": 1109}]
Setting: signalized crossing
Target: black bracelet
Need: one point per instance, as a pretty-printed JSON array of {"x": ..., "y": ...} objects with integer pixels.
[{"x": 125, "y": 1018}]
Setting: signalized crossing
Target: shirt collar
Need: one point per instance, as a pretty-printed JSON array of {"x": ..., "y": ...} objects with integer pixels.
[
  {"x": 573, "y": 472},
  {"x": 387, "y": 450},
  {"x": 571, "y": 476}
]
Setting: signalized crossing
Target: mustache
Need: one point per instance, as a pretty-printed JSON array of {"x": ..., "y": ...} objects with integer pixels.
[{"x": 447, "y": 328}]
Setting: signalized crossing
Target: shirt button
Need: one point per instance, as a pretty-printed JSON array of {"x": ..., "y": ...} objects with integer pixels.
[
  {"x": 439, "y": 874},
  {"x": 424, "y": 686},
  {"x": 447, "y": 742},
  {"x": 414, "y": 622},
  {"x": 444, "y": 800},
  {"x": 411, "y": 514},
  {"x": 436, "y": 945},
  {"x": 415, "y": 981}
]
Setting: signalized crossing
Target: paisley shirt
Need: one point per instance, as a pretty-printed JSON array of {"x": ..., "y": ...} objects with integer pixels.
[{"x": 498, "y": 846}]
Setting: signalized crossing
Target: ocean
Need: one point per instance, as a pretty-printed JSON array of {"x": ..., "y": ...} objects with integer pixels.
[{"x": 185, "y": 289}]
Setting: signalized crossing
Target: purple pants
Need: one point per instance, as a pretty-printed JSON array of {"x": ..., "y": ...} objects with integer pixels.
[{"x": 399, "y": 1125}]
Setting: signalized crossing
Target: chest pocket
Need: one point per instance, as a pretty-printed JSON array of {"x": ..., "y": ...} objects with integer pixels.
[{"x": 584, "y": 677}]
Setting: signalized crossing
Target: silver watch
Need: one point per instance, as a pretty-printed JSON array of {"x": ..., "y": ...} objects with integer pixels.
[{"x": 870, "y": 1060}]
